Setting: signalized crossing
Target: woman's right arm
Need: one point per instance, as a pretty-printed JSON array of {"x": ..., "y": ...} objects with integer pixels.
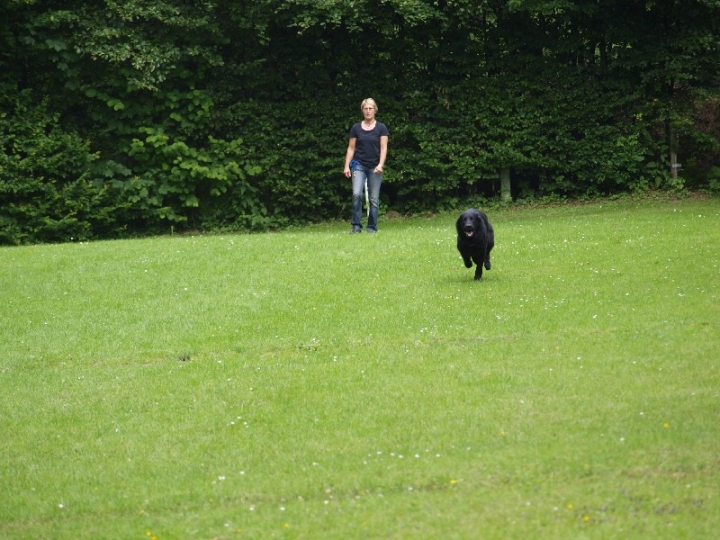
[{"x": 348, "y": 157}]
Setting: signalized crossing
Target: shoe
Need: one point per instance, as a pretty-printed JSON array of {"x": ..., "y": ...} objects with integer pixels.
[
  {"x": 372, "y": 231},
  {"x": 356, "y": 230}
]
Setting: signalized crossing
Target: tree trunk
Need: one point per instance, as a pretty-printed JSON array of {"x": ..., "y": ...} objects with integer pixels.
[
  {"x": 505, "y": 194},
  {"x": 674, "y": 166}
]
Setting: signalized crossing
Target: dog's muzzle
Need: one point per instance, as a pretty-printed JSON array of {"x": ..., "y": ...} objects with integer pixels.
[{"x": 469, "y": 231}]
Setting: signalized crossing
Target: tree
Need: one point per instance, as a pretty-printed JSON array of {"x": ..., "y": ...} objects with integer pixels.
[{"x": 235, "y": 113}]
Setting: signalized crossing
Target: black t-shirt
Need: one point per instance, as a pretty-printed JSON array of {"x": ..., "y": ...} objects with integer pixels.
[{"x": 367, "y": 143}]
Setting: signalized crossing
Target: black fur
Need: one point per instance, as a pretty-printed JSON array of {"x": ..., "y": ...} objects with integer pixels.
[{"x": 475, "y": 239}]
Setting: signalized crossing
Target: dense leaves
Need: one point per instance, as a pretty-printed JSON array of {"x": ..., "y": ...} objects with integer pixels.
[
  {"x": 137, "y": 117},
  {"x": 46, "y": 193}
]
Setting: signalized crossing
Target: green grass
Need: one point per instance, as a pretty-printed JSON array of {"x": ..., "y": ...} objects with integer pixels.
[{"x": 313, "y": 384}]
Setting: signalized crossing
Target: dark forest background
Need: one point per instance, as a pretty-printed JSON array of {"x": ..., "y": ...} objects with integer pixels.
[{"x": 121, "y": 118}]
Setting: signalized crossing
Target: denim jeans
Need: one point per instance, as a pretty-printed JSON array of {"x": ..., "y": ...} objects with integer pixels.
[{"x": 374, "y": 180}]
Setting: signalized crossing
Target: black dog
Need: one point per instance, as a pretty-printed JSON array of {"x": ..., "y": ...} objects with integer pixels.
[{"x": 475, "y": 239}]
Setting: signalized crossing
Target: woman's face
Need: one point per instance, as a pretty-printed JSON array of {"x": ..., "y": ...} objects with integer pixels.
[{"x": 368, "y": 111}]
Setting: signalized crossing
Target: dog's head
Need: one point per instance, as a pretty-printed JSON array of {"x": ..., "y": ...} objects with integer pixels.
[{"x": 469, "y": 223}]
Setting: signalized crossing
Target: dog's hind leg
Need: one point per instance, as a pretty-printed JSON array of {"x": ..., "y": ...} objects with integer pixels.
[{"x": 491, "y": 244}]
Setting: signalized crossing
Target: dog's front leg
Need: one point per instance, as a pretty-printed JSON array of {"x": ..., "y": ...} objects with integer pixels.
[
  {"x": 466, "y": 256},
  {"x": 479, "y": 258}
]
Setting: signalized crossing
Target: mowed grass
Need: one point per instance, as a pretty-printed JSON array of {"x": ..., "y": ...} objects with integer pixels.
[{"x": 313, "y": 384}]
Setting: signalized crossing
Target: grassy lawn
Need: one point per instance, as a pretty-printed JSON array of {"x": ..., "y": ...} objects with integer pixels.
[{"x": 315, "y": 384}]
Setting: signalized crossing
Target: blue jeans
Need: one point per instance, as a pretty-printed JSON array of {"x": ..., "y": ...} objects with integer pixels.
[{"x": 359, "y": 176}]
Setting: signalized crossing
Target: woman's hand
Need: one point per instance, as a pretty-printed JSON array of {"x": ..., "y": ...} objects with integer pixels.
[{"x": 347, "y": 172}]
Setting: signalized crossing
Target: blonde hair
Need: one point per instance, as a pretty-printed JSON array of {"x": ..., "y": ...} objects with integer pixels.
[{"x": 368, "y": 101}]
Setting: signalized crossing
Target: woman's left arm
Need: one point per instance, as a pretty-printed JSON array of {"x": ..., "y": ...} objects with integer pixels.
[{"x": 383, "y": 154}]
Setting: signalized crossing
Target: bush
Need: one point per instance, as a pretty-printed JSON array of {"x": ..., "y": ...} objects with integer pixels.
[{"x": 46, "y": 190}]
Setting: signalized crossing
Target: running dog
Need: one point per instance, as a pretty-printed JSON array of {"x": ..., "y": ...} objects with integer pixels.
[{"x": 475, "y": 239}]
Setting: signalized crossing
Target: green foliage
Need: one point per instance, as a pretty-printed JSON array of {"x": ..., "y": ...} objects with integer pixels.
[
  {"x": 145, "y": 42},
  {"x": 559, "y": 134},
  {"x": 47, "y": 193},
  {"x": 172, "y": 177},
  {"x": 299, "y": 168},
  {"x": 236, "y": 114}
]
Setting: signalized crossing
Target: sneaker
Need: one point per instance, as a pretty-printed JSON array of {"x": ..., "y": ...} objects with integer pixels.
[
  {"x": 356, "y": 230},
  {"x": 373, "y": 231}
]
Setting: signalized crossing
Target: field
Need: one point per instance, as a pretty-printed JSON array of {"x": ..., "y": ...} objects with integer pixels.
[{"x": 315, "y": 384}]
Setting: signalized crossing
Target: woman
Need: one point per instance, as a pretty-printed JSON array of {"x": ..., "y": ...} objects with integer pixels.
[{"x": 368, "y": 149}]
